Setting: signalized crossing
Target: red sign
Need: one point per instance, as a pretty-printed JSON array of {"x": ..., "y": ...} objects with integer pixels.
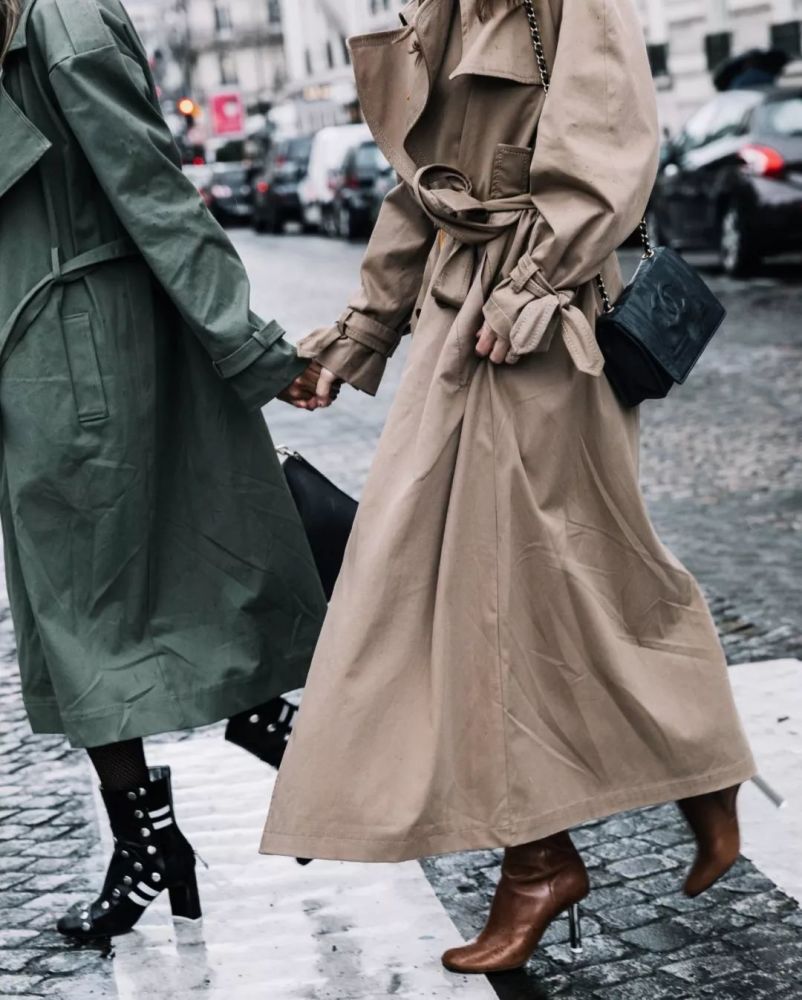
[{"x": 228, "y": 113}]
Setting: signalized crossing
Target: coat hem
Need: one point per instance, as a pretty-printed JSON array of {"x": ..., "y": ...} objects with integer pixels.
[
  {"x": 207, "y": 707},
  {"x": 338, "y": 847}
]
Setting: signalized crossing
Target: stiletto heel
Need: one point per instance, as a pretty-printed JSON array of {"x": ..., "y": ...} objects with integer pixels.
[
  {"x": 185, "y": 899},
  {"x": 575, "y": 929},
  {"x": 539, "y": 882}
]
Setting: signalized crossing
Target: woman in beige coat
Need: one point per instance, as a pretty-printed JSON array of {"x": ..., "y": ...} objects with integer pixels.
[{"x": 510, "y": 650}]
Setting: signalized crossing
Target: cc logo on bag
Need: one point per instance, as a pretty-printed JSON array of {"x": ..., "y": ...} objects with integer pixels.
[{"x": 670, "y": 302}]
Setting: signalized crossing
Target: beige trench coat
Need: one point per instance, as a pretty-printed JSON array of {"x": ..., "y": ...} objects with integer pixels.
[{"x": 510, "y": 649}]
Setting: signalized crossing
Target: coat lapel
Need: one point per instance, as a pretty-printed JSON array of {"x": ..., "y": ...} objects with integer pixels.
[
  {"x": 22, "y": 138},
  {"x": 394, "y": 75},
  {"x": 20, "y": 39},
  {"x": 502, "y": 45}
]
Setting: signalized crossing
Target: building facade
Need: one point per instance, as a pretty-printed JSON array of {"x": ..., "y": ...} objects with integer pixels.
[
  {"x": 687, "y": 39},
  {"x": 320, "y": 84}
]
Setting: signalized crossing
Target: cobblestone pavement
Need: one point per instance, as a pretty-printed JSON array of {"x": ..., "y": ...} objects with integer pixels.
[{"x": 722, "y": 476}]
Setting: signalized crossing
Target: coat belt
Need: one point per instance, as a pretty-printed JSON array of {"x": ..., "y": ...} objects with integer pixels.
[
  {"x": 61, "y": 273},
  {"x": 445, "y": 195}
]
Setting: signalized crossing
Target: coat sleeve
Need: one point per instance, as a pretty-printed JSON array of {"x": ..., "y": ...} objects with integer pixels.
[
  {"x": 357, "y": 347},
  {"x": 109, "y": 103},
  {"x": 594, "y": 163}
]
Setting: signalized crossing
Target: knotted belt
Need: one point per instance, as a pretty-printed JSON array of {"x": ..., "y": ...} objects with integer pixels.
[
  {"x": 445, "y": 195},
  {"x": 61, "y": 273}
]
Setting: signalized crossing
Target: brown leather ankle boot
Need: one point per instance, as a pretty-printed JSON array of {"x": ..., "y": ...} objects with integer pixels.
[
  {"x": 714, "y": 820},
  {"x": 538, "y": 882}
]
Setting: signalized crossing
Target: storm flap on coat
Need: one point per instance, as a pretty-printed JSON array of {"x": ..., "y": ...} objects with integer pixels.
[
  {"x": 158, "y": 573},
  {"x": 510, "y": 648}
]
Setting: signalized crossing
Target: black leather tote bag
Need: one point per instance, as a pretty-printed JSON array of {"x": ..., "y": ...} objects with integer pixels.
[{"x": 327, "y": 514}]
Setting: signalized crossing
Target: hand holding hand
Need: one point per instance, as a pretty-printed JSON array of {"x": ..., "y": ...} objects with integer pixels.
[
  {"x": 498, "y": 350},
  {"x": 328, "y": 388},
  {"x": 301, "y": 391}
]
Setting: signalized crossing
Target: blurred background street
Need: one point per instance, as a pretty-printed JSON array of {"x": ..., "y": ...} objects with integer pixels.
[{"x": 261, "y": 100}]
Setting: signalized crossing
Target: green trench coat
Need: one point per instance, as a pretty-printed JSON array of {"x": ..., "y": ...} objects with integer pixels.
[{"x": 158, "y": 573}]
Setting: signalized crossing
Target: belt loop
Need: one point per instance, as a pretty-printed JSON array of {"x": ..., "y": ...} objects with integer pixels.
[
  {"x": 522, "y": 272},
  {"x": 55, "y": 262}
]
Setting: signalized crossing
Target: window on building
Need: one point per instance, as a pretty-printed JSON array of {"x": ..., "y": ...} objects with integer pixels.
[
  {"x": 222, "y": 17},
  {"x": 346, "y": 50},
  {"x": 228, "y": 68},
  {"x": 308, "y": 60},
  {"x": 658, "y": 59},
  {"x": 329, "y": 55},
  {"x": 718, "y": 47},
  {"x": 274, "y": 11},
  {"x": 787, "y": 37}
]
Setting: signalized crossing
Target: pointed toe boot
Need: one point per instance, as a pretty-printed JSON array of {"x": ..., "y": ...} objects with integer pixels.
[
  {"x": 150, "y": 855},
  {"x": 539, "y": 881},
  {"x": 713, "y": 818}
]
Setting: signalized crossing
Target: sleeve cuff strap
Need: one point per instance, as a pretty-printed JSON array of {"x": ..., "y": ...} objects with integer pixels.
[
  {"x": 369, "y": 332},
  {"x": 253, "y": 348}
]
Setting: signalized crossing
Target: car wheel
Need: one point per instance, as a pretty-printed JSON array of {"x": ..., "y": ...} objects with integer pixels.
[
  {"x": 345, "y": 223},
  {"x": 276, "y": 225},
  {"x": 737, "y": 257},
  {"x": 259, "y": 223}
]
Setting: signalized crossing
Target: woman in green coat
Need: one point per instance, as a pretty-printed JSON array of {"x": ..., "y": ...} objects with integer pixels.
[{"x": 158, "y": 573}]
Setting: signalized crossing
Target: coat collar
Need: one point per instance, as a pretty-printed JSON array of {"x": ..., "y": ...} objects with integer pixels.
[
  {"x": 395, "y": 70},
  {"x": 20, "y": 39},
  {"x": 23, "y": 138}
]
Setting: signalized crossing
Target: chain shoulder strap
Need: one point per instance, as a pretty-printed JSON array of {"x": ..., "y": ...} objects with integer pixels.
[{"x": 545, "y": 79}]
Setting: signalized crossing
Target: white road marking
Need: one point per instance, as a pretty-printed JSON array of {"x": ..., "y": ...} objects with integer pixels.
[
  {"x": 769, "y": 696},
  {"x": 271, "y": 928}
]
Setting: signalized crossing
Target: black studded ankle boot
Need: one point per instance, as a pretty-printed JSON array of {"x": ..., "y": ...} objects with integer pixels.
[
  {"x": 150, "y": 855},
  {"x": 264, "y": 731}
]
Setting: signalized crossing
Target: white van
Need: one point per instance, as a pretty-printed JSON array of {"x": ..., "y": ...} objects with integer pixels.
[{"x": 329, "y": 148}]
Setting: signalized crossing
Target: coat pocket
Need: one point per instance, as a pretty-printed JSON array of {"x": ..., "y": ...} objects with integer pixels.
[
  {"x": 87, "y": 383},
  {"x": 511, "y": 166}
]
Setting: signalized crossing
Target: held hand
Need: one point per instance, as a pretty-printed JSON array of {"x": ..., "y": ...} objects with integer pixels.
[
  {"x": 301, "y": 392},
  {"x": 498, "y": 350},
  {"x": 328, "y": 388}
]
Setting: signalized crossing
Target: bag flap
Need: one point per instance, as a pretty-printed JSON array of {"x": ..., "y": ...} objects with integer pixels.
[
  {"x": 670, "y": 311},
  {"x": 23, "y": 143}
]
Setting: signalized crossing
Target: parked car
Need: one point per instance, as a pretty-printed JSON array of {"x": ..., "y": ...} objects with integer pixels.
[
  {"x": 352, "y": 205},
  {"x": 384, "y": 183},
  {"x": 231, "y": 192},
  {"x": 732, "y": 179},
  {"x": 316, "y": 190},
  {"x": 275, "y": 196},
  {"x": 201, "y": 177}
]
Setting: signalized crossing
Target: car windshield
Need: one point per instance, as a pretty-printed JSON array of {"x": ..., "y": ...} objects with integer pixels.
[
  {"x": 231, "y": 176},
  {"x": 369, "y": 157},
  {"x": 781, "y": 117}
]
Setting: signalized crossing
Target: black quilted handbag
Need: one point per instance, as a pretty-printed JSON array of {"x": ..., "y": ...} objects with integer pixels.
[
  {"x": 665, "y": 317},
  {"x": 655, "y": 333},
  {"x": 326, "y": 512}
]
